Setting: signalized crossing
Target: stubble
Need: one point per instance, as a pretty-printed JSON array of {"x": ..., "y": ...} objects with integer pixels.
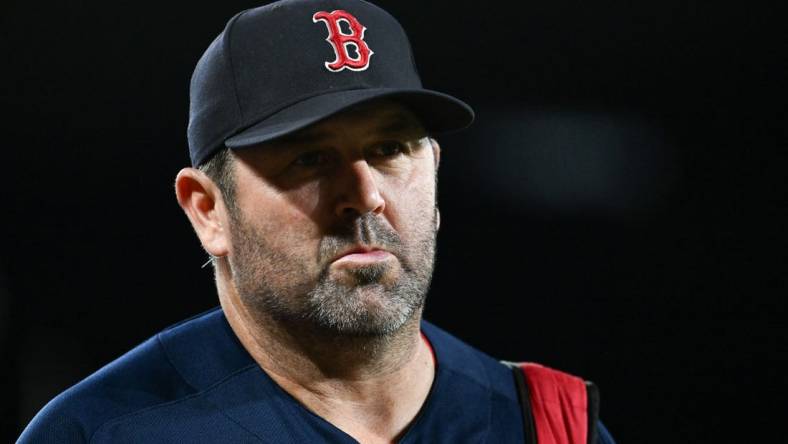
[{"x": 281, "y": 285}]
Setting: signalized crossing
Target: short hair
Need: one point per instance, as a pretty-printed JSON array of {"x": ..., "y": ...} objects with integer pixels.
[{"x": 220, "y": 169}]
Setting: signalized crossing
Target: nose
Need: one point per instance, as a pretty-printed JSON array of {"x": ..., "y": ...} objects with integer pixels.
[{"x": 358, "y": 191}]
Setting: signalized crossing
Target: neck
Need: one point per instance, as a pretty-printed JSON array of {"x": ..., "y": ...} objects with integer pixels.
[{"x": 371, "y": 387}]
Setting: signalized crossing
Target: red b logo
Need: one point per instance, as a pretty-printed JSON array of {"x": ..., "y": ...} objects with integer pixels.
[{"x": 340, "y": 41}]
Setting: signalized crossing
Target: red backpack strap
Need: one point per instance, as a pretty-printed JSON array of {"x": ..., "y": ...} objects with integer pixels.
[{"x": 560, "y": 408}]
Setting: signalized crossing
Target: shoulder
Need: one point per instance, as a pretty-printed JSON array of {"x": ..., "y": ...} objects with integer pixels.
[
  {"x": 140, "y": 379},
  {"x": 466, "y": 361},
  {"x": 603, "y": 436},
  {"x": 472, "y": 366}
]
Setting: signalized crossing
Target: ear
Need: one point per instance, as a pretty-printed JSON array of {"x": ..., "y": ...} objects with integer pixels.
[
  {"x": 436, "y": 151},
  {"x": 202, "y": 202}
]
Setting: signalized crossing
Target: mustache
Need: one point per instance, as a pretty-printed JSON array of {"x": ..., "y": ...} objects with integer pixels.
[{"x": 366, "y": 230}]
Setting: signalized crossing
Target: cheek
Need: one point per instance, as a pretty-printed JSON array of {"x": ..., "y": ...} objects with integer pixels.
[
  {"x": 267, "y": 203},
  {"x": 411, "y": 206},
  {"x": 283, "y": 218}
]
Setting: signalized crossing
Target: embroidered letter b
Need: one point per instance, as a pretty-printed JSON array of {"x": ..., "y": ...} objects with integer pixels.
[{"x": 340, "y": 41}]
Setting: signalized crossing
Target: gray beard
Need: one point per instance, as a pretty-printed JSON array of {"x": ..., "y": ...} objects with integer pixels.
[{"x": 368, "y": 308}]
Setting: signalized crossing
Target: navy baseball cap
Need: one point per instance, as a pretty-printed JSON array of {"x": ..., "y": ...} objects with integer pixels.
[{"x": 284, "y": 66}]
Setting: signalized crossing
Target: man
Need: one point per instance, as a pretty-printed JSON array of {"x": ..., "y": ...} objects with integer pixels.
[{"x": 313, "y": 189}]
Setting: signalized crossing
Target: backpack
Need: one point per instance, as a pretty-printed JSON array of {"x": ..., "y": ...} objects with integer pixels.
[{"x": 557, "y": 408}]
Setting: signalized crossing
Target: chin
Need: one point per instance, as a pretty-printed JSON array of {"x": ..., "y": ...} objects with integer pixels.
[
  {"x": 362, "y": 310},
  {"x": 369, "y": 275}
]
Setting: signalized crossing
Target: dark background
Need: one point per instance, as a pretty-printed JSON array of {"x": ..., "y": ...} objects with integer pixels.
[{"x": 613, "y": 212}]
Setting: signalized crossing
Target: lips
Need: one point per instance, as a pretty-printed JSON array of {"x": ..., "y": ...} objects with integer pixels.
[{"x": 362, "y": 254}]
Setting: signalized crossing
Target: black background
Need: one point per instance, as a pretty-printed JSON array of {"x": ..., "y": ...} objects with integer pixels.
[{"x": 614, "y": 212}]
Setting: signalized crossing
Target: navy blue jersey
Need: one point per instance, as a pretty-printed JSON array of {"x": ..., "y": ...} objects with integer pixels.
[{"x": 194, "y": 382}]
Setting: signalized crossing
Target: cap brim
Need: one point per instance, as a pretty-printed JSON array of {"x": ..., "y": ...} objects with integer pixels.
[{"x": 438, "y": 112}]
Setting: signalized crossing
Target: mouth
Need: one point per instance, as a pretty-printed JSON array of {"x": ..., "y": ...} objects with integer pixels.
[{"x": 362, "y": 256}]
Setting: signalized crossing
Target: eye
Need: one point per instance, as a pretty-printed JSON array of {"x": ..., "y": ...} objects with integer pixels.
[
  {"x": 311, "y": 159},
  {"x": 388, "y": 149}
]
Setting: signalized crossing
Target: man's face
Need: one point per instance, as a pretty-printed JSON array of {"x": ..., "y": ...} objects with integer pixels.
[{"x": 335, "y": 226}]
